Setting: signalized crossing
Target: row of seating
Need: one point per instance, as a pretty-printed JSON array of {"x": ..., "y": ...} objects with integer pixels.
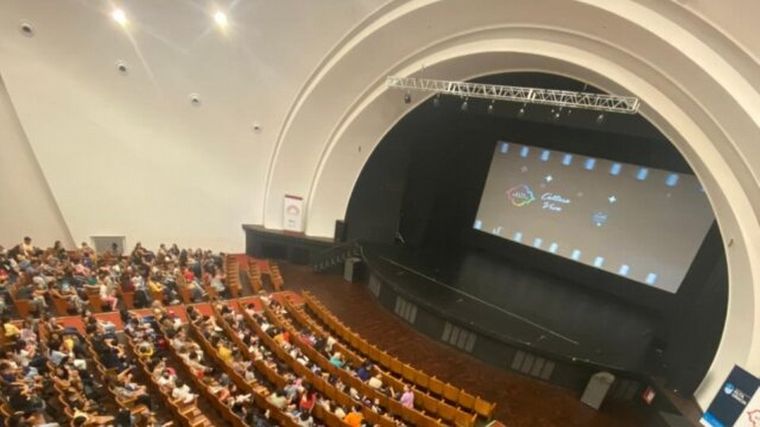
[
  {"x": 258, "y": 391},
  {"x": 254, "y": 275},
  {"x": 429, "y": 404},
  {"x": 415, "y": 376},
  {"x": 185, "y": 414},
  {"x": 416, "y": 415},
  {"x": 206, "y": 394},
  {"x": 275, "y": 276},
  {"x": 273, "y": 377},
  {"x": 330, "y": 391},
  {"x": 232, "y": 273}
]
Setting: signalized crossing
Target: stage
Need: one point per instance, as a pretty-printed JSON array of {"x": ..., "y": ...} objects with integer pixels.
[{"x": 518, "y": 306}]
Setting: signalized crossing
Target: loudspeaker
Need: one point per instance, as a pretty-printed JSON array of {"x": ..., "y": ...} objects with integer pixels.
[{"x": 341, "y": 231}]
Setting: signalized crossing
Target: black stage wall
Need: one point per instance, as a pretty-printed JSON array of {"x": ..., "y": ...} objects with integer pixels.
[{"x": 425, "y": 179}]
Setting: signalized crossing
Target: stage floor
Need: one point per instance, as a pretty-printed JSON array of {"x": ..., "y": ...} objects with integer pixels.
[{"x": 518, "y": 305}]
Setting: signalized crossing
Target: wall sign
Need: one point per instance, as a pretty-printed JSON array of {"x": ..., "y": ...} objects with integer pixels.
[
  {"x": 292, "y": 214},
  {"x": 737, "y": 402}
]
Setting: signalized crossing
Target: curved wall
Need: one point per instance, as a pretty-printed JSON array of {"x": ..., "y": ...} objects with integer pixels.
[{"x": 697, "y": 86}]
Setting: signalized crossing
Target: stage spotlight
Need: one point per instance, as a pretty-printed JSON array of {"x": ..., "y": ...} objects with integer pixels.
[
  {"x": 119, "y": 16},
  {"x": 407, "y": 98},
  {"x": 600, "y": 119},
  {"x": 521, "y": 111},
  {"x": 556, "y": 114},
  {"x": 490, "y": 108},
  {"x": 437, "y": 101},
  {"x": 464, "y": 105}
]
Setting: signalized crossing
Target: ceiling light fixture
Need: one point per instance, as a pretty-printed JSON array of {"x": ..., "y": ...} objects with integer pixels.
[
  {"x": 221, "y": 19},
  {"x": 119, "y": 16}
]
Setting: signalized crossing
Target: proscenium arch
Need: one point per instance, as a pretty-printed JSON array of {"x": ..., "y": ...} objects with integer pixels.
[{"x": 715, "y": 141}]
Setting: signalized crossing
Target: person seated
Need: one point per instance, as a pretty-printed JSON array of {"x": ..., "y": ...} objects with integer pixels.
[
  {"x": 365, "y": 371},
  {"x": 26, "y": 248},
  {"x": 277, "y": 399},
  {"x": 337, "y": 360},
  {"x": 407, "y": 398},
  {"x": 354, "y": 418},
  {"x": 10, "y": 331},
  {"x": 182, "y": 392},
  {"x": 305, "y": 420},
  {"x": 376, "y": 382}
]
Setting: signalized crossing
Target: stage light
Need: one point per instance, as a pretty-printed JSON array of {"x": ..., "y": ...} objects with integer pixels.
[
  {"x": 600, "y": 119},
  {"x": 221, "y": 19},
  {"x": 490, "y": 108},
  {"x": 437, "y": 101},
  {"x": 464, "y": 105},
  {"x": 119, "y": 16},
  {"x": 521, "y": 111},
  {"x": 556, "y": 116},
  {"x": 407, "y": 98}
]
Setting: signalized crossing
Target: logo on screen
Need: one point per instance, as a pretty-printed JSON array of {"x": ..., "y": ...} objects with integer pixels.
[
  {"x": 729, "y": 388},
  {"x": 521, "y": 195}
]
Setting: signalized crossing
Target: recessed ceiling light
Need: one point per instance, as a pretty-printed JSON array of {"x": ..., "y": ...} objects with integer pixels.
[
  {"x": 27, "y": 29},
  {"x": 119, "y": 16},
  {"x": 220, "y": 18}
]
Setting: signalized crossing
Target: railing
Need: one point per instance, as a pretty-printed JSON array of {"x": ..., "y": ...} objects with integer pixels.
[{"x": 336, "y": 255}]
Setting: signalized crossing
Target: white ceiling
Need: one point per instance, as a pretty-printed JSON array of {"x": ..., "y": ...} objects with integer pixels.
[{"x": 133, "y": 145}]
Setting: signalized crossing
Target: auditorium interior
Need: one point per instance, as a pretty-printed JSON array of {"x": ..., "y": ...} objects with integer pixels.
[{"x": 380, "y": 213}]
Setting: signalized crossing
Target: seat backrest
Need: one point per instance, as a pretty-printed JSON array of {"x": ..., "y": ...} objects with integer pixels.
[
  {"x": 436, "y": 386},
  {"x": 446, "y": 411},
  {"x": 466, "y": 400},
  {"x": 464, "y": 419},
  {"x": 451, "y": 393},
  {"x": 484, "y": 408},
  {"x": 408, "y": 372},
  {"x": 422, "y": 379},
  {"x": 429, "y": 403},
  {"x": 396, "y": 366}
]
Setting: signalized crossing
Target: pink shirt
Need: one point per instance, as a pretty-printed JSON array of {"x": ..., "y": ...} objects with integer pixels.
[{"x": 407, "y": 399}]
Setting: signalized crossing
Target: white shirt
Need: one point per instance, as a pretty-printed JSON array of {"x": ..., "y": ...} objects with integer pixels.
[{"x": 183, "y": 393}]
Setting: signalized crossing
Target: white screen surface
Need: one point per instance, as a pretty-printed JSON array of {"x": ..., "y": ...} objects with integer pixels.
[{"x": 642, "y": 223}]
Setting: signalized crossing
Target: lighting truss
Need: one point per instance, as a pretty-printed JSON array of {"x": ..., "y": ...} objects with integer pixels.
[{"x": 525, "y": 95}]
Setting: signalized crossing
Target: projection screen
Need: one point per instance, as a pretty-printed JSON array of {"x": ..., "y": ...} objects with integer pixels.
[{"x": 642, "y": 223}]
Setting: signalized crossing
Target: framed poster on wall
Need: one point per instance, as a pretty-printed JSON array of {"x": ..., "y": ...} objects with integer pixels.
[{"x": 292, "y": 214}]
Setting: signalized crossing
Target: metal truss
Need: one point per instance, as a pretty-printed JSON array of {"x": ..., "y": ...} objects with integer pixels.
[{"x": 526, "y": 95}]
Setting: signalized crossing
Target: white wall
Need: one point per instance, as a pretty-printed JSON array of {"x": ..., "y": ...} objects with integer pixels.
[
  {"x": 128, "y": 154},
  {"x": 26, "y": 205}
]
